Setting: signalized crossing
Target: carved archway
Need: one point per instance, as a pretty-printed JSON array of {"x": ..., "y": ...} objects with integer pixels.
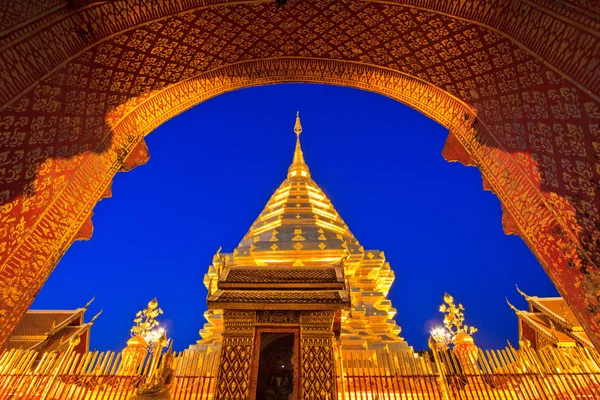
[{"x": 516, "y": 83}]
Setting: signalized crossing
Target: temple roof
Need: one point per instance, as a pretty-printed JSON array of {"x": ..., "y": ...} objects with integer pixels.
[
  {"x": 556, "y": 308},
  {"x": 553, "y": 318},
  {"x": 48, "y": 330},
  {"x": 299, "y": 225},
  {"x": 40, "y": 322},
  {"x": 280, "y": 277},
  {"x": 280, "y": 299},
  {"x": 542, "y": 324}
]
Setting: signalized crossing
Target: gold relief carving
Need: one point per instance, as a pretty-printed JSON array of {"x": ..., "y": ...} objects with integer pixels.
[
  {"x": 233, "y": 379},
  {"x": 239, "y": 322},
  {"x": 317, "y": 362},
  {"x": 278, "y": 317},
  {"x": 566, "y": 33},
  {"x": 318, "y": 322},
  {"x": 277, "y": 297},
  {"x": 289, "y": 276},
  {"x": 236, "y": 355},
  {"x": 318, "y": 369}
]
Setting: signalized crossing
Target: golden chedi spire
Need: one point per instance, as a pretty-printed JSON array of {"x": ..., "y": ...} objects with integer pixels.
[
  {"x": 298, "y": 167},
  {"x": 299, "y": 225}
]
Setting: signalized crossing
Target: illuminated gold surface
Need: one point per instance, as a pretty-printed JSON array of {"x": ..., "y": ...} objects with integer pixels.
[
  {"x": 299, "y": 227},
  {"x": 75, "y": 109},
  {"x": 147, "y": 338}
]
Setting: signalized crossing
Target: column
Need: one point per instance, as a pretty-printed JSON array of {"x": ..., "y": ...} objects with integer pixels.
[
  {"x": 317, "y": 365},
  {"x": 233, "y": 380}
]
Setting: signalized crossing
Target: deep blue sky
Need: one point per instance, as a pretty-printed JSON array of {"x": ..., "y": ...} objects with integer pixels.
[{"x": 212, "y": 170}]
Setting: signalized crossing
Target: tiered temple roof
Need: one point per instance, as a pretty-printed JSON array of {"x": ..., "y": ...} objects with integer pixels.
[
  {"x": 299, "y": 227},
  {"x": 549, "y": 322},
  {"x": 52, "y": 330}
]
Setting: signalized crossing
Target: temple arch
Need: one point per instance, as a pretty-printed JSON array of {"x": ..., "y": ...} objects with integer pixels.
[{"x": 524, "y": 115}]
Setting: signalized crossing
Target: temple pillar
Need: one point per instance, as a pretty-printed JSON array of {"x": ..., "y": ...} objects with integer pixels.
[
  {"x": 233, "y": 379},
  {"x": 317, "y": 363}
]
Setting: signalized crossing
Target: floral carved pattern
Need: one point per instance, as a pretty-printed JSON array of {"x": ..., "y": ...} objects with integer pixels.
[
  {"x": 513, "y": 81},
  {"x": 234, "y": 368},
  {"x": 278, "y": 317},
  {"x": 318, "y": 369}
]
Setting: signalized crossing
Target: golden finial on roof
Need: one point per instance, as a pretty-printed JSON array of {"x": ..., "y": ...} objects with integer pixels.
[
  {"x": 298, "y": 167},
  {"x": 52, "y": 329},
  {"x": 95, "y": 317},
  {"x": 298, "y": 126},
  {"x": 345, "y": 258},
  {"x": 219, "y": 262},
  {"x": 515, "y": 309},
  {"x": 88, "y": 303},
  {"x": 521, "y": 293}
]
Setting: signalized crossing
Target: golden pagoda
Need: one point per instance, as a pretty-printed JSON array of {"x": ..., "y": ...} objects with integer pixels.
[{"x": 300, "y": 227}]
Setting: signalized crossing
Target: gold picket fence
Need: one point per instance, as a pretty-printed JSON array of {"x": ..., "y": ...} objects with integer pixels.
[
  {"x": 98, "y": 376},
  {"x": 508, "y": 374}
]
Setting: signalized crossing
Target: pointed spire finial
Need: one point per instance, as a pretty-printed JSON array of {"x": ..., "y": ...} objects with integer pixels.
[
  {"x": 88, "y": 303},
  {"x": 298, "y": 126},
  {"x": 298, "y": 167},
  {"x": 95, "y": 317},
  {"x": 521, "y": 293},
  {"x": 515, "y": 309}
]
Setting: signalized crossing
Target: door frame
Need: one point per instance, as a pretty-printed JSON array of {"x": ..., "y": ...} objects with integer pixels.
[{"x": 256, "y": 356}]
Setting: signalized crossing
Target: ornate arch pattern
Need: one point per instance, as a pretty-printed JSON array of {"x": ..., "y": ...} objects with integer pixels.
[{"x": 516, "y": 83}]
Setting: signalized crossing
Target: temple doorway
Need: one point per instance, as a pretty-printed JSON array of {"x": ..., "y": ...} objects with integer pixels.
[{"x": 277, "y": 378}]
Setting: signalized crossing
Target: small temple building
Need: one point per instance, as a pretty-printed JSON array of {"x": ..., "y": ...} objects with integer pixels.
[
  {"x": 46, "y": 331},
  {"x": 549, "y": 322}
]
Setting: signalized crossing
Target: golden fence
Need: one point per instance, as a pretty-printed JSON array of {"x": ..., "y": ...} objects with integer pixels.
[
  {"x": 99, "y": 376},
  {"x": 508, "y": 374}
]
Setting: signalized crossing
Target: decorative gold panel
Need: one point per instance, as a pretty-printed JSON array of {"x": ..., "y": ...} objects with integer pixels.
[
  {"x": 278, "y": 317},
  {"x": 233, "y": 380},
  {"x": 318, "y": 369}
]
